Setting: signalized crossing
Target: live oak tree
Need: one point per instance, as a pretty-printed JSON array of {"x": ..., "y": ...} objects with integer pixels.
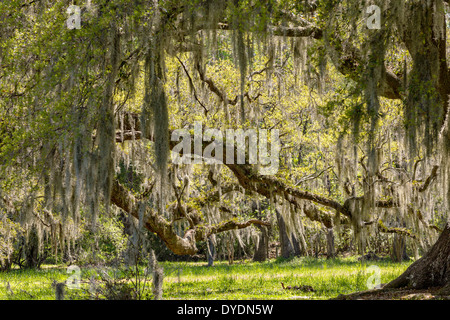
[{"x": 374, "y": 103}]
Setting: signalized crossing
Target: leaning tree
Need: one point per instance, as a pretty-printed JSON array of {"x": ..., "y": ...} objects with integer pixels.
[{"x": 76, "y": 101}]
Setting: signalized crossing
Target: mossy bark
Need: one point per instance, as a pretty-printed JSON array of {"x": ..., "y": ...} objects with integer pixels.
[{"x": 432, "y": 270}]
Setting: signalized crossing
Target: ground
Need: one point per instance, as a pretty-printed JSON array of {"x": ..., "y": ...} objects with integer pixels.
[
  {"x": 395, "y": 294},
  {"x": 241, "y": 280}
]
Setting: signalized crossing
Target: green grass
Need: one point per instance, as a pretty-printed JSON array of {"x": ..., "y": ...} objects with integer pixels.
[
  {"x": 30, "y": 284},
  {"x": 242, "y": 280}
]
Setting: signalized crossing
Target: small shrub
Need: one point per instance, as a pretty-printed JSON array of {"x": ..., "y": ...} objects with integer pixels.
[{"x": 104, "y": 246}]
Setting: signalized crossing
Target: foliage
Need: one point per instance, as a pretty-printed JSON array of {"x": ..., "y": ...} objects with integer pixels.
[
  {"x": 9, "y": 231},
  {"x": 86, "y": 116},
  {"x": 105, "y": 245}
]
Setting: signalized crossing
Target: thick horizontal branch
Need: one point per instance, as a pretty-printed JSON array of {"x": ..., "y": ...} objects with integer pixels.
[
  {"x": 233, "y": 225},
  {"x": 397, "y": 230},
  {"x": 128, "y": 135},
  {"x": 310, "y": 31},
  {"x": 154, "y": 222},
  {"x": 269, "y": 186},
  {"x": 346, "y": 58}
]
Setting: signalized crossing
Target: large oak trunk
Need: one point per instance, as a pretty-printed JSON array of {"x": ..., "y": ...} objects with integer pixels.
[{"x": 432, "y": 270}]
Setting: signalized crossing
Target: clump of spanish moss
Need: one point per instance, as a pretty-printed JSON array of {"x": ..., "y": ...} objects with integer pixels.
[
  {"x": 155, "y": 116},
  {"x": 106, "y": 125}
]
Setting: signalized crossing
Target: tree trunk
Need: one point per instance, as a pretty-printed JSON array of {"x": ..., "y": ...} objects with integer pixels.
[
  {"x": 296, "y": 245},
  {"x": 432, "y": 270},
  {"x": 33, "y": 259},
  {"x": 286, "y": 246},
  {"x": 316, "y": 244},
  {"x": 330, "y": 244},
  {"x": 133, "y": 250},
  {"x": 303, "y": 244},
  {"x": 158, "y": 275},
  {"x": 211, "y": 252},
  {"x": 230, "y": 249},
  {"x": 399, "y": 249},
  {"x": 262, "y": 245}
]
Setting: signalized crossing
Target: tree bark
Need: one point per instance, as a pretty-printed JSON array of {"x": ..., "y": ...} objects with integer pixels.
[
  {"x": 296, "y": 245},
  {"x": 262, "y": 245},
  {"x": 211, "y": 252},
  {"x": 399, "y": 249},
  {"x": 33, "y": 259},
  {"x": 432, "y": 270},
  {"x": 330, "y": 244},
  {"x": 287, "y": 250},
  {"x": 316, "y": 244}
]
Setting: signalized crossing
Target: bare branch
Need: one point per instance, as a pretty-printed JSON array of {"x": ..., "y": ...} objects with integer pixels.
[
  {"x": 192, "y": 85},
  {"x": 313, "y": 176}
]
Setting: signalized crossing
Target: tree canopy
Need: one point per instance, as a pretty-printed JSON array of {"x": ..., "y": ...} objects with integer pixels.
[{"x": 362, "y": 115}]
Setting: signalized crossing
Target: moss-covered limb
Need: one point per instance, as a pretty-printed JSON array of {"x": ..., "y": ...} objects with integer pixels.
[
  {"x": 154, "y": 222},
  {"x": 310, "y": 31},
  {"x": 381, "y": 203},
  {"x": 268, "y": 186},
  {"x": 305, "y": 29},
  {"x": 429, "y": 179},
  {"x": 202, "y": 231},
  {"x": 401, "y": 231},
  {"x": 389, "y": 203},
  {"x": 348, "y": 61},
  {"x": 128, "y": 135},
  {"x": 314, "y": 212}
]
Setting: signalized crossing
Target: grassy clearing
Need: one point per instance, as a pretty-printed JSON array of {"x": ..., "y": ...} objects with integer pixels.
[
  {"x": 242, "y": 280},
  {"x": 251, "y": 280}
]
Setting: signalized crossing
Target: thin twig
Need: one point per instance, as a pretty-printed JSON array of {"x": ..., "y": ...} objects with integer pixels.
[{"x": 192, "y": 84}]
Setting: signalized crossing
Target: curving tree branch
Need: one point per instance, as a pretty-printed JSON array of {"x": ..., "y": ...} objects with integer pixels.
[{"x": 154, "y": 222}]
